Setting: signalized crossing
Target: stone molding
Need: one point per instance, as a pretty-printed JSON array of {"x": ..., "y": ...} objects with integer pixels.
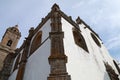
[
  {"x": 111, "y": 72},
  {"x": 57, "y": 58},
  {"x": 22, "y": 63}
]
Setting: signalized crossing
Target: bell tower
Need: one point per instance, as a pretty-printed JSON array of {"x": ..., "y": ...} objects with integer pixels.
[{"x": 9, "y": 42}]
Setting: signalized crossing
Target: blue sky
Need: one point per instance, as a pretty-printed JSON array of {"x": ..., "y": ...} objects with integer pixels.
[{"x": 102, "y": 16}]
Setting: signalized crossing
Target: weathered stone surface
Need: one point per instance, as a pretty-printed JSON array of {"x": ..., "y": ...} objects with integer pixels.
[
  {"x": 7, "y": 49},
  {"x": 5, "y": 73}
]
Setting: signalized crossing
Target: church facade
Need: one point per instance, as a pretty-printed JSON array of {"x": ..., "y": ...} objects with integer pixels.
[{"x": 62, "y": 49}]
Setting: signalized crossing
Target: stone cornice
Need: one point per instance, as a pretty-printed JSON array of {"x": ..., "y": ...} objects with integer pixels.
[
  {"x": 6, "y": 49},
  {"x": 79, "y": 21},
  {"x": 68, "y": 18}
]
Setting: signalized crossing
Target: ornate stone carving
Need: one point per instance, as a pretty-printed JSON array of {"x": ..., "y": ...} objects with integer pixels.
[
  {"x": 57, "y": 58},
  {"x": 78, "y": 20},
  {"x": 5, "y": 73},
  {"x": 24, "y": 57},
  {"x": 111, "y": 72},
  {"x": 116, "y": 65}
]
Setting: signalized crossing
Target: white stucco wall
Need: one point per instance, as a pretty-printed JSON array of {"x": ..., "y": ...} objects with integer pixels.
[
  {"x": 37, "y": 67},
  {"x": 100, "y": 54},
  {"x": 15, "y": 60},
  {"x": 82, "y": 65},
  {"x": 13, "y": 75},
  {"x": 46, "y": 28}
]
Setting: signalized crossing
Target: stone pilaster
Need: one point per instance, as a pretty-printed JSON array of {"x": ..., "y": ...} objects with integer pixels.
[
  {"x": 57, "y": 58},
  {"x": 112, "y": 74},
  {"x": 5, "y": 73},
  {"x": 25, "y": 53}
]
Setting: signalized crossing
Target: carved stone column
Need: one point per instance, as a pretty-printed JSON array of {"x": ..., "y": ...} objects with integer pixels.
[
  {"x": 57, "y": 59},
  {"x": 5, "y": 73},
  {"x": 25, "y": 53},
  {"x": 111, "y": 72}
]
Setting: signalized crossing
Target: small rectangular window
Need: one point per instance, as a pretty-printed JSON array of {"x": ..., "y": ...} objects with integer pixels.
[{"x": 9, "y": 43}]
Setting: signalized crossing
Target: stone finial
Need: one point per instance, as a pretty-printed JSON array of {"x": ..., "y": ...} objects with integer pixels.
[
  {"x": 16, "y": 26},
  {"x": 70, "y": 17},
  {"x": 31, "y": 29},
  {"x": 78, "y": 20},
  {"x": 55, "y": 7},
  {"x": 43, "y": 19}
]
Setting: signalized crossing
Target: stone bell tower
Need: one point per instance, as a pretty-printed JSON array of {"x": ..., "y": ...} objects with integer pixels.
[{"x": 9, "y": 42}]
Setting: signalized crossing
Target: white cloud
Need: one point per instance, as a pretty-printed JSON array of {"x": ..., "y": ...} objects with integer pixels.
[
  {"x": 114, "y": 19},
  {"x": 114, "y": 42},
  {"x": 100, "y": 11},
  {"x": 101, "y": 15},
  {"x": 83, "y": 3},
  {"x": 78, "y": 4}
]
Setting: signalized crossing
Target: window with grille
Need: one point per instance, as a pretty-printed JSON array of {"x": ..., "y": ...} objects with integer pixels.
[
  {"x": 36, "y": 42},
  {"x": 79, "y": 39},
  {"x": 95, "y": 39}
]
